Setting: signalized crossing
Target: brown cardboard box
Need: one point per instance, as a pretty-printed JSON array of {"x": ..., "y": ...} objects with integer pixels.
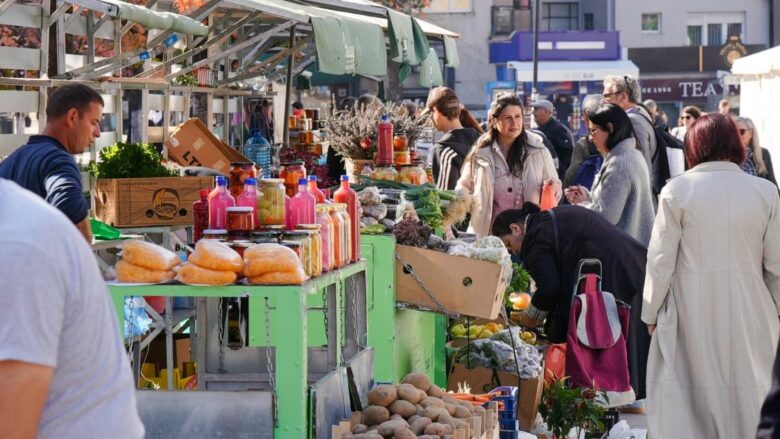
[
  {"x": 192, "y": 144},
  {"x": 182, "y": 353},
  {"x": 482, "y": 380},
  {"x": 466, "y": 286},
  {"x": 142, "y": 202}
]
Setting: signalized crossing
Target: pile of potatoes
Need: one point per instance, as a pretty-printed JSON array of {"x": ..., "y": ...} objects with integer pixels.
[{"x": 413, "y": 409}]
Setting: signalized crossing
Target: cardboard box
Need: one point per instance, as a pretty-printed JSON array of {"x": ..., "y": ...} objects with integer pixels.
[
  {"x": 483, "y": 380},
  {"x": 182, "y": 353},
  {"x": 143, "y": 202},
  {"x": 193, "y": 144},
  {"x": 466, "y": 286}
]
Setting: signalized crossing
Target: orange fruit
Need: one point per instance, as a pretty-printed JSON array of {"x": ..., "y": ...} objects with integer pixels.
[
  {"x": 520, "y": 301},
  {"x": 492, "y": 327}
]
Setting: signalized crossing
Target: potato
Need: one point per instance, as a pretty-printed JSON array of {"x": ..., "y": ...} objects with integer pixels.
[
  {"x": 446, "y": 419},
  {"x": 375, "y": 415},
  {"x": 459, "y": 424},
  {"x": 386, "y": 429},
  {"x": 413, "y": 418},
  {"x": 436, "y": 402},
  {"x": 427, "y": 437},
  {"x": 433, "y": 412},
  {"x": 367, "y": 436},
  {"x": 420, "y": 410},
  {"x": 408, "y": 392},
  {"x": 450, "y": 408},
  {"x": 419, "y": 380},
  {"x": 383, "y": 394},
  {"x": 435, "y": 391},
  {"x": 403, "y": 433},
  {"x": 478, "y": 409},
  {"x": 449, "y": 399},
  {"x": 462, "y": 412},
  {"x": 469, "y": 406},
  {"x": 404, "y": 408},
  {"x": 437, "y": 429},
  {"x": 396, "y": 417},
  {"x": 419, "y": 425},
  {"x": 359, "y": 428},
  {"x": 423, "y": 395}
]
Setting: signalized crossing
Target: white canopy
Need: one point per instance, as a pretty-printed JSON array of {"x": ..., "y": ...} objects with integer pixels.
[
  {"x": 556, "y": 71},
  {"x": 761, "y": 63}
]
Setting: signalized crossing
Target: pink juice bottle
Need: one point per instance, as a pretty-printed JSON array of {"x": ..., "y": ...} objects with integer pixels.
[
  {"x": 248, "y": 197},
  {"x": 314, "y": 190},
  {"x": 302, "y": 205},
  {"x": 219, "y": 200},
  {"x": 385, "y": 151},
  {"x": 348, "y": 196}
]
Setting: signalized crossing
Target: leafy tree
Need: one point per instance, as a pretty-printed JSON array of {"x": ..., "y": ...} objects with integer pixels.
[{"x": 407, "y": 6}]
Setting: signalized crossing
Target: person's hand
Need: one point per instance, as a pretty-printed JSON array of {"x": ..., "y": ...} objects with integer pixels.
[
  {"x": 577, "y": 194},
  {"x": 650, "y": 329},
  {"x": 527, "y": 321}
]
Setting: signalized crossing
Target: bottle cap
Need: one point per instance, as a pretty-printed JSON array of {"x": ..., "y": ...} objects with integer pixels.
[
  {"x": 204, "y": 193},
  {"x": 302, "y": 181},
  {"x": 221, "y": 181},
  {"x": 385, "y": 118},
  {"x": 345, "y": 178},
  {"x": 252, "y": 181},
  {"x": 312, "y": 178}
]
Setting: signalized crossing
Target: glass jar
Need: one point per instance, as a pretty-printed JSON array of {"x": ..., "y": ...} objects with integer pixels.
[
  {"x": 326, "y": 234},
  {"x": 347, "y": 238},
  {"x": 316, "y": 247},
  {"x": 239, "y": 172},
  {"x": 266, "y": 237},
  {"x": 294, "y": 246},
  {"x": 270, "y": 202},
  {"x": 292, "y": 123},
  {"x": 400, "y": 142},
  {"x": 291, "y": 173},
  {"x": 402, "y": 158},
  {"x": 314, "y": 148},
  {"x": 339, "y": 230},
  {"x": 240, "y": 219},
  {"x": 385, "y": 173},
  {"x": 413, "y": 174},
  {"x": 306, "y": 251},
  {"x": 240, "y": 247},
  {"x": 217, "y": 234},
  {"x": 305, "y": 137}
]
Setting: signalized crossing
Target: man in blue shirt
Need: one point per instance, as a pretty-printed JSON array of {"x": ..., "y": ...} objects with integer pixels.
[{"x": 45, "y": 165}]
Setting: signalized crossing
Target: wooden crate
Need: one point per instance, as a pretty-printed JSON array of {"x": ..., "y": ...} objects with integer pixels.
[{"x": 145, "y": 202}]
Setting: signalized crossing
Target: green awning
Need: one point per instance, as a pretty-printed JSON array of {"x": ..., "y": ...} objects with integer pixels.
[
  {"x": 347, "y": 47},
  {"x": 430, "y": 71},
  {"x": 420, "y": 41},
  {"x": 157, "y": 19},
  {"x": 451, "y": 52},
  {"x": 401, "y": 35}
]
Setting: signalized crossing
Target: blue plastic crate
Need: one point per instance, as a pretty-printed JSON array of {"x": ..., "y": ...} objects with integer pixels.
[{"x": 507, "y": 396}]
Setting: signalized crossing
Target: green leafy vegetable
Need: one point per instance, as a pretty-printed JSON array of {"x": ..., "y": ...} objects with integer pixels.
[
  {"x": 521, "y": 280},
  {"x": 131, "y": 160}
]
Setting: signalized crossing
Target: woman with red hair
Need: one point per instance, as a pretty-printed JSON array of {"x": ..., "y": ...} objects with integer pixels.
[{"x": 712, "y": 291}]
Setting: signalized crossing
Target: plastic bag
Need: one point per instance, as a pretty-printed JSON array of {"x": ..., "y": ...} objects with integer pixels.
[
  {"x": 555, "y": 362},
  {"x": 136, "y": 321},
  {"x": 134, "y": 274},
  {"x": 548, "y": 199},
  {"x": 369, "y": 196},
  {"x": 295, "y": 277},
  {"x": 149, "y": 255},
  {"x": 192, "y": 274},
  {"x": 268, "y": 258},
  {"x": 216, "y": 255}
]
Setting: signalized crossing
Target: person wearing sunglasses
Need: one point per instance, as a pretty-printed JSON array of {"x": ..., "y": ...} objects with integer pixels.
[
  {"x": 688, "y": 117},
  {"x": 759, "y": 162}
]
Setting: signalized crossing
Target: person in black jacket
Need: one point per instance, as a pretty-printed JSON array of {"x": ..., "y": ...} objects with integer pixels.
[
  {"x": 558, "y": 133},
  {"x": 582, "y": 234},
  {"x": 450, "y": 150}
]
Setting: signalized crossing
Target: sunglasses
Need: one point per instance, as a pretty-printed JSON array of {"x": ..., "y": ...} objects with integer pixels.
[{"x": 609, "y": 95}]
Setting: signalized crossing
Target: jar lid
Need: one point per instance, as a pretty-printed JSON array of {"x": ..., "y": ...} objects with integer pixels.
[
  {"x": 243, "y": 244},
  {"x": 215, "y": 232},
  {"x": 241, "y": 209},
  {"x": 242, "y": 164},
  {"x": 291, "y": 243},
  {"x": 293, "y": 163},
  {"x": 274, "y": 228},
  {"x": 271, "y": 181},
  {"x": 314, "y": 227}
]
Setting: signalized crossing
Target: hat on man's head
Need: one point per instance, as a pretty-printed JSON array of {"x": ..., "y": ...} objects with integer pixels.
[
  {"x": 543, "y": 103},
  {"x": 297, "y": 105},
  {"x": 443, "y": 98}
]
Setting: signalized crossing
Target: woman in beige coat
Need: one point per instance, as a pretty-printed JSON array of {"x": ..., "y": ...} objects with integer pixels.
[
  {"x": 712, "y": 290},
  {"x": 506, "y": 167}
]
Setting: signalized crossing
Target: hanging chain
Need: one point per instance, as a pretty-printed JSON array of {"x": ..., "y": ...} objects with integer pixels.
[
  {"x": 221, "y": 333},
  {"x": 442, "y": 308},
  {"x": 343, "y": 313},
  {"x": 131, "y": 308},
  {"x": 325, "y": 314},
  {"x": 355, "y": 324},
  {"x": 269, "y": 363}
]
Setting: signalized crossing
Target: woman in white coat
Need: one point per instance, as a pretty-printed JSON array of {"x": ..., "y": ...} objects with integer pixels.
[{"x": 712, "y": 290}]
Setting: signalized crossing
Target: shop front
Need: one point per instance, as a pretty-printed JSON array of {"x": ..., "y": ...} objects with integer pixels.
[{"x": 673, "y": 94}]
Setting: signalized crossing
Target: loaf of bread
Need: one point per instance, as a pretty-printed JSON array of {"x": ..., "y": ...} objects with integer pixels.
[
  {"x": 192, "y": 274},
  {"x": 134, "y": 274},
  {"x": 216, "y": 255},
  {"x": 295, "y": 277},
  {"x": 269, "y": 258}
]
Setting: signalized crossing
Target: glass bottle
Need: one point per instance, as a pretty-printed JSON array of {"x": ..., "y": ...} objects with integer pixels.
[
  {"x": 248, "y": 197},
  {"x": 348, "y": 197},
  {"x": 200, "y": 215},
  {"x": 314, "y": 190},
  {"x": 326, "y": 233},
  {"x": 219, "y": 200},
  {"x": 347, "y": 232},
  {"x": 302, "y": 205},
  {"x": 338, "y": 237}
]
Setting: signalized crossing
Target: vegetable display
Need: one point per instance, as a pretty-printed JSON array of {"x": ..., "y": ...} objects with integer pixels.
[
  {"x": 131, "y": 160},
  {"x": 497, "y": 353},
  {"x": 412, "y": 232}
]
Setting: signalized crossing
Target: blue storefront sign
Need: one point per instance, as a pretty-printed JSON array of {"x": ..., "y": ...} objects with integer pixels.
[{"x": 558, "y": 46}]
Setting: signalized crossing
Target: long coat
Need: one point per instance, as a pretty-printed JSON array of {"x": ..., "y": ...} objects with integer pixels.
[
  {"x": 716, "y": 244},
  {"x": 584, "y": 234}
]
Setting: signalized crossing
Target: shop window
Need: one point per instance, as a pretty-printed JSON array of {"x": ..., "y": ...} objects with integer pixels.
[
  {"x": 522, "y": 5},
  {"x": 560, "y": 16},
  {"x": 714, "y": 34},
  {"x": 694, "y": 35},
  {"x": 651, "y": 22},
  {"x": 587, "y": 19},
  {"x": 449, "y": 6},
  {"x": 501, "y": 20}
]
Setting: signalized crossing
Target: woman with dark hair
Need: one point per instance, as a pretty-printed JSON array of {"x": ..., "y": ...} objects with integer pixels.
[
  {"x": 506, "y": 167},
  {"x": 468, "y": 120},
  {"x": 712, "y": 290},
  {"x": 758, "y": 162},
  {"x": 688, "y": 116},
  {"x": 621, "y": 191},
  {"x": 582, "y": 234}
]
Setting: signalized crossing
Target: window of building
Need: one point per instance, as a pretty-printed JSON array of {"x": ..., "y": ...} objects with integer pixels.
[
  {"x": 651, "y": 22},
  {"x": 449, "y": 6},
  {"x": 560, "y": 16},
  {"x": 501, "y": 20},
  {"x": 734, "y": 30},
  {"x": 587, "y": 19},
  {"x": 714, "y": 34},
  {"x": 694, "y": 35},
  {"x": 717, "y": 25}
]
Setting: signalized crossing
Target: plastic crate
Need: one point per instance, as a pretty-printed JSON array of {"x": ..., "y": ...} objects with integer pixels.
[{"x": 507, "y": 395}]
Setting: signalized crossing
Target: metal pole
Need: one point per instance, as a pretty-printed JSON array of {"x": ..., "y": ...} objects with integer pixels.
[
  {"x": 534, "y": 90},
  {"x": 288, "y": 90}
]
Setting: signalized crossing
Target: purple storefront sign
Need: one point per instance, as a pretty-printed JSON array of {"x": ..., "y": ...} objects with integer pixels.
[
  {"x": 682, "y": 89},
  {"x": 558, "y": 46}
]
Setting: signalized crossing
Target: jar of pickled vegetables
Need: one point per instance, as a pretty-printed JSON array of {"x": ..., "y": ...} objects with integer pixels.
[
  {"x": 240, "y": 246},
  {"x": 216, "y": 234},
  {"x": 239, "y": 172},
  {"x": 304, "y": 240},
  {"x": 341, "y": 209},
  {"x": 294, "y": 246},
  {"x": 326, "y": 234},
  {"x": 339, "y": 230},
  {"x": 385, "y": 173},
  {"x": 400, "y": 141},
  {"x": 402, "y": 158},
  {"x": 270, "y": 202},
  {"x": 291, "y": 173},
  {"x": 316, "y": 246},
  {"x": 266, "y": 237},
  {"x": 413, "y": 174},
  {"x": 240, "y": 219}
]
